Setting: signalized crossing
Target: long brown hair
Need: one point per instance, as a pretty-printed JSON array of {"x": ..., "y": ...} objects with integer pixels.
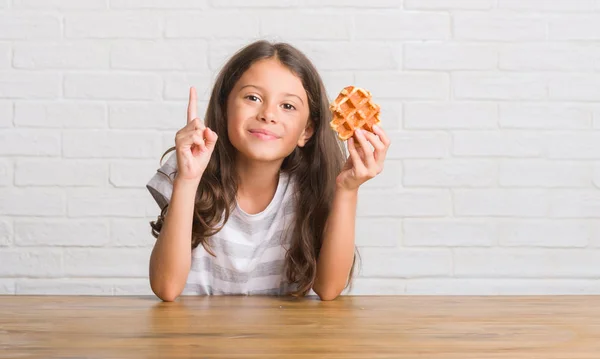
[{"x": 314, "y": 166}]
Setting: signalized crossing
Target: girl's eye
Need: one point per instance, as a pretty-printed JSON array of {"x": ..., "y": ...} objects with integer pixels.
[
  {"x": 288, "y": 106},
  {"x": 252, "y": 98}
]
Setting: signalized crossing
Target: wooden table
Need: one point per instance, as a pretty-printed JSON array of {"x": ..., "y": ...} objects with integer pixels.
[{"x": 566, "y": 327}]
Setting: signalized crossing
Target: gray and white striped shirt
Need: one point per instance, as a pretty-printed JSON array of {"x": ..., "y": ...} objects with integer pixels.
[{"x": 250, "y": 248}]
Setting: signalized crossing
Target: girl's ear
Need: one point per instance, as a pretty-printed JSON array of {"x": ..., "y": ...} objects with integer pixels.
[{"x": 306, "y": 133}]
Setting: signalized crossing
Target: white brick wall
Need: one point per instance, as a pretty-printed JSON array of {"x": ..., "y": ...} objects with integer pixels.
[{"x": 491, "y": 183}]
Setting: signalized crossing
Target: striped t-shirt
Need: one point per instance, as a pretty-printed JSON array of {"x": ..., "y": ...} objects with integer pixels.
[{"x": 250, "y": 248}]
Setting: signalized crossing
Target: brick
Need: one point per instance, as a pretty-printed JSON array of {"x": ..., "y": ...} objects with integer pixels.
[
  {"x": 131, "y": 173},
  {"x": 214, "y": 24},
  {"x": 60, "y": 172},
  {"x": 499, "y": 86},
  {"x": 6, "y": 114},
  {"x": 449, "y": 56},
  {"x": 29, "y": 85},
  {"x": 70, "y": 115},
  {"x": 161, "y": 115},
  {"x": 574, "y": 27},
  {"x": 418, "y": 145},
  {"x": 377, "y": 286},
  {"x": 7, "y": 285},
  {"x": 158, "y": 162},
  {"x": 546, "y": 57},
  {"x": 21, "y": 142},
  {"x": 572, "y": 203},
  {"x": 497, "y": 144},
  {"x": 255, "y": 4},
  {"x": 108, "y": 203},
  {"x": 132, "y": 286},
  {"x": 543, "y": 233},
  {"x": 378, "y": 232},
  {"x": 595, "y": 234},
  {"x": 573, "y": 145},
  {"x": 357, "y": 55},
  {"x": 219, "y": 51},
  {"x": 6, "y": 172},
  {"x": 451, "y": 115},
  {"x": 398, "y": 53},
  {"x": 596, "y": 116},
  {"x": 61, "y": 232},
  {"x": 543, "y": 5},
  {"x": 501, "y": 202},
  {"x": 498, "y": 26},
  {"x": 14, "y": 26},
  {"x": 65, "y": 286},
  {"x": 389, "y": 178},
  {"x": 168, "y": 141},
  {"x": 32, "y": 202},
  {"x": 396, "y": 25},
  {"x": 448, "y": 233},
  {"x": 110, "y": 144},
  {"x": 405, "y": 85},
  {"x": 112, "y": 86},
  {"x": 391, "y": 115},
  {"x": 59, "y": 4},
  {"x": 158, "y": 4},
  {"x": 405, "y": 263},
  {"x": 551, "y": 116},
  {"x": 130, "y": 25},
  {"x": 582, "y": 87},
  {"x": 409, "y": 203},
  {"x": 349, "y": 3},
  {"x": 301, "y": 25},
  {"x": 5, "y": 56},
  {"x": 31, "y": 262},
  {"x": 6, "y": 232},
  {"x": 61, "y": 56},
  {"x": 544, "y": 173},
  {"x": 527, "y": 263},
  {"x": 137, "y": 55},
  {"x": 499, "y": 286},
  {"x": 450, "y": 173},
  {"x": 131, "y": 233},
  {"x": 177, "y": 87},
  {"x": 107, "y": 262},
  {"x": 335, "y": 81},
  {"x": 449, "y": 4}
]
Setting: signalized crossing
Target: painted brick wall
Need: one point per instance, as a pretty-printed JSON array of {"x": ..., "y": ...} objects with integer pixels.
[{"x": 491, "y": 183}]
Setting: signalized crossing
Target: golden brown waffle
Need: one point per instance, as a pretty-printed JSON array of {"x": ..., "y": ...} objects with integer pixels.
[{"x": 353, "y": 109}]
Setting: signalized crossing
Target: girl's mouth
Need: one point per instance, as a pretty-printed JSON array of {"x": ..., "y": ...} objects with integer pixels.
[{"x": 263, "y": 134}]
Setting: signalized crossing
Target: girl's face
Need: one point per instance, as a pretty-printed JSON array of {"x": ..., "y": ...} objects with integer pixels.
[{"x": 267, "y": 112}]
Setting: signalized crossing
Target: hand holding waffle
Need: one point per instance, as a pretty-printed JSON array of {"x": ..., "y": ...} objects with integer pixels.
[{"x": 356, "y": 116}]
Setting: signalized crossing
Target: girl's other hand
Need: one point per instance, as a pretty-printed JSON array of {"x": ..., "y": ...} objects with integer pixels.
[{"x": 194, "y": 144}]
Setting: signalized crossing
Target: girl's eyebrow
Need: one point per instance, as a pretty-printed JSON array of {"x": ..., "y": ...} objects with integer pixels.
[{"x": 263, "y": 90}]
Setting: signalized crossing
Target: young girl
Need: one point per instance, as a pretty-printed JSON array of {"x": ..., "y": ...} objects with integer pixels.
[{"x": 259, "y": 198}]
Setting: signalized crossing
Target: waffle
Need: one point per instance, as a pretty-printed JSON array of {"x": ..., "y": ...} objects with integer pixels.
[{"x": 353, "y": 109}]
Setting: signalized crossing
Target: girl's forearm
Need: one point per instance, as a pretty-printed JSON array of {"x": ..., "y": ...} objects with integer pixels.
[
  {"x": 170, "y": 260},
  {"x": 337, "y": 251}
]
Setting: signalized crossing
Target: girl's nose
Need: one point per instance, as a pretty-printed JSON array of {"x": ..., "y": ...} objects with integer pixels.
[{"x": 266, "y": 113}]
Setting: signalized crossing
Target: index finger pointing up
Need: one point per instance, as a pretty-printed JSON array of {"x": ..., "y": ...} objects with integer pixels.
[{"x": 192, "y": 111}]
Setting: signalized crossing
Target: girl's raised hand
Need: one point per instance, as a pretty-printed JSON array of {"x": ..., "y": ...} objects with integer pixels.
[
  {"x": 364, "y": 163},
  {"x": 194, "y": 144}
]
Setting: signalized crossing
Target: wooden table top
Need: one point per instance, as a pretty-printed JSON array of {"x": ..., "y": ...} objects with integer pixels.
[{"x": 444, "y": 327}]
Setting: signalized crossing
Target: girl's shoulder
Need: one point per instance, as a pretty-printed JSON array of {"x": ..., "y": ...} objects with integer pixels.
[{"x": 160, "y": 184}]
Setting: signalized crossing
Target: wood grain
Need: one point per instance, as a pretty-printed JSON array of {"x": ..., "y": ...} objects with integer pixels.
[{"x": 454, "y": 327}]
